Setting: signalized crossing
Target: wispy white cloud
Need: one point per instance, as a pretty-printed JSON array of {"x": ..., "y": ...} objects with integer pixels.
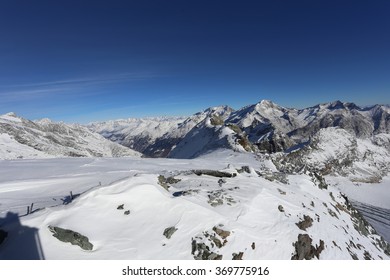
[
  {"x": 65, "y": 87},
  {"x": 90, "y": 80}
]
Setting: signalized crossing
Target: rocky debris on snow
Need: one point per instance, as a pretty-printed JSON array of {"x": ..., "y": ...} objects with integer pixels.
[
  {"x": 280, "y": 208},
  {"x": 219, "y": 197},
  {"x": 201, "y": 251},
  {"x": 318, "y": 180},
  {"x": 167, "y": 182},
  {"x": 168, "y": 232},
  {"x": 3, "y": 236},
  {"x": 243, "y": 140},
  {"x": 367, "y": 256},
  {"x": 244, "y": 169},
  {"x": 304, "y": 250},
  {"x": 306, "y": 223},
  {"x": 127, "y": 213},
  {"x": 206, "y": 246},
  {"x": 121, "y": 207},
  {"x": 216, "y": 120},
  {"x": 214, "y": 173},
  {"x": 221, "y": 182},
  {"x": 222, "y": 233},
  {"x": 72, "y": 237},
  {"x": 238, "y": 257},
  {"x": 282, "y": 192}
]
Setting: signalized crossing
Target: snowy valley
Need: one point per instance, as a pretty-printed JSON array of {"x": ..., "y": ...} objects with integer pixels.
[{"x": 262, "y": 182}]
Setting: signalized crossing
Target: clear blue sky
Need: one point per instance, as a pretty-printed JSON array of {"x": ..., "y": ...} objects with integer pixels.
[{"x": 80, "y": 61}]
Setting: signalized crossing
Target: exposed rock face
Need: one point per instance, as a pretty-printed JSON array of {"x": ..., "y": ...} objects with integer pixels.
[
  {"x": 304, "y": 250},
  {"x": 202, "y": 252},
  {"x": 3, "y": 236},
  {"x": 72, "y": 237},
  {"x": 214, "y": 173},
  {"x": 274, "y": 142},
  {"x": 306, "y": 223},
  {"x": 222, "y": 233},
  {"x": 238, "y": 257},
  {"x": 169, "y": 232},
  {"x": 167, "y": 182},
  {"x": 156, "y": 137},
  {"x": 338, "y": 152},
  {"x": 264, "y": 126}
]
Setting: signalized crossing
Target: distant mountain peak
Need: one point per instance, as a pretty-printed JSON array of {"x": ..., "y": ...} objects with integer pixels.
[
  {"x": 11, "y": 114},
  {"x": 335, "y": 105},
  {"x": 223, "y": 109},
  {"x": 44, "y": 121},
  {"x": 266, "y": 102}
]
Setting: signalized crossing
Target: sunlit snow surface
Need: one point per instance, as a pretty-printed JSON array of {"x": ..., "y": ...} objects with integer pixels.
[{"x": 249, "y": 210}]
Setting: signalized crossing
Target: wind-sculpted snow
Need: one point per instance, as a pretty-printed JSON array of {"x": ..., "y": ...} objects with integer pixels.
[{"x": 121, "y": 208}]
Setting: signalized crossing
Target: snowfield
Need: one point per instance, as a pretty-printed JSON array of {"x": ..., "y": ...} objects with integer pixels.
[{"x": 137, "y": 208}]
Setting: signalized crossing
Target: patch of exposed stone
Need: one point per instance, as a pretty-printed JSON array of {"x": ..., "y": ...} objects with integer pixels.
[
  {"x": 216, "y": 120},
  {"x": 304, "y": 250},
  {"x": 273, "y": 176},
  {"x": 206, "y": 246},
  {"x": 253, "y": 246},
  {"x": 220, "y": 197},
  {"x": 214, "y": 173},
  {"x": 238, "y": 256},
  {"x": 306, "y": 223},
  {"x": 282, "y": 192},
  {"x": 167, "y": 182},
  {"x": 72, "y": 237},
  {"x": 244, "y": 169},
  {"x": 222, "y": 233},
  {"x": 201, "y": 251},
  {"x": 221, "y": 182},
  {"x": 121, "y": 208},
  {"x": 318, "y": 180},
  {"x": 332, "y": 213},
  {"x": 168, "y": 232}
]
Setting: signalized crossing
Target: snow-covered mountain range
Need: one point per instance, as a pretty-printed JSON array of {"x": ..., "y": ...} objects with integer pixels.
[
  {"x": 262, "y": 182},
  {"x": 22, "y": 138},
  {"x": 268, "y": 127}
]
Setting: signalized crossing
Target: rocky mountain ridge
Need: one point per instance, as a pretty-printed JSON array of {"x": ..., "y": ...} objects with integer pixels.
[
  {"x": 268, "y": 126},
  {"x": 22, "y": 138}
]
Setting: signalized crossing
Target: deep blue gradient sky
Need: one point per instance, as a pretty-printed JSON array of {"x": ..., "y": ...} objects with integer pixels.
[{"x": 80, "y": 61}]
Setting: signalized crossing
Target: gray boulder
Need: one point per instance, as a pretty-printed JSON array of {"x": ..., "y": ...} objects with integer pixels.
[
  {"x": 72, "y": 237},
  {"x": 169, "y": 232}
]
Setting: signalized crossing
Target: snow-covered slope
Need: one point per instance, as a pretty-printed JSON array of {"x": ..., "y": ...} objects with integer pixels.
[
  {"x": 205, "y": 137},
  {"x": 337, "y": 151},
  {"x": 155, "y": 137},
  {"x": 291, "y": 126},
  {"x": 22, "y": 138},
  {"x": 163, "y": 209},
  {"x": 138, "y": 134}
]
